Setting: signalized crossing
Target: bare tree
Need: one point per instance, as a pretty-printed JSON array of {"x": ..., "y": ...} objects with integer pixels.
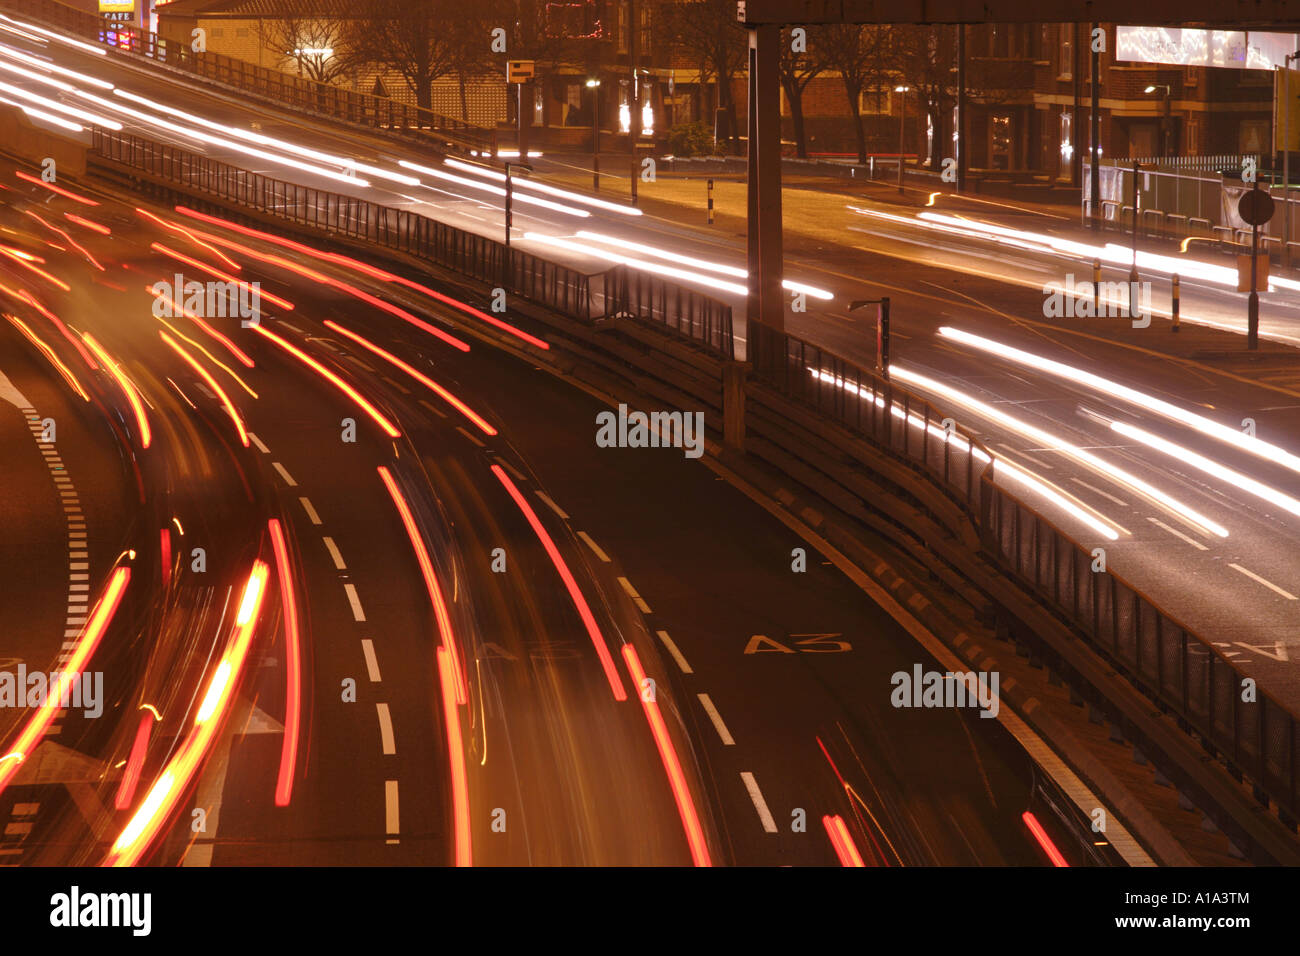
[
  {"x": 708, "y": 34},
  {"x": 412, "y": 40},
  {"x": 314, "y": 47},
  {"x": 800, "y": 64},
  {"x": 858, "y": 53},
  {"x": 926, "y": 59}
]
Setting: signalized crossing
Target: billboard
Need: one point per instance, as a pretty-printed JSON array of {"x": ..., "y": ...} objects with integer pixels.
[
  {"x": 1230, "y": 49},
  {"x": 1282, "y": 124}
]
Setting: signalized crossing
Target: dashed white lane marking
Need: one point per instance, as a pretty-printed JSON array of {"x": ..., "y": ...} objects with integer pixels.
[
  {"x": 391, "y": 823},
  {"x": 636, "y": 598},
  {"x": 288, "y": 478},
  {"x": 311, "y": 512},
  {"x": 1268, "y": 584},
  {"x": 386, "y": 729},
  {"x": 764, "y": 814},
  {"x": 258, "y": 442},
  {"x": 334, "y": 552},
  {"x": 673, "y": 650},
  {"x": 718, "y": 725},
  {"x": 1093, "y": 488},
  {"x": 372, "y": 663},
  {"x": 552, "y": 505},
  {"x": 433, "y": 408},
  {"x": 594, "y": 546},
  {"x": 357, "y": 613},
  {"x": 1177, "y": 534},
  {"x": 470, "y": 437},
  {"x": 1025, "y": 455}
]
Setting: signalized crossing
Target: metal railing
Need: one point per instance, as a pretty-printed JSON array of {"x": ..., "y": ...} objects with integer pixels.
[
  {"x": 588, "y": 298},
  {"x": 286, "y": 90},
  {"x": 870, "y": 406},
  {"x": 1160, "y": 654}
]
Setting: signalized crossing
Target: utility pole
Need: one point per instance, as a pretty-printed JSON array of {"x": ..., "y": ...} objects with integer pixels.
[
  {"x": 902, "y": 132},
  {"x": 634, "y": 91},
  {"x": 594, "y": 86},
  {"x": 961, "y": 107},
  {"x": 509, "y": 264},
  {"x": 1286, "y": 157},
  {"x": 1076, "y": 75},
  {"x": 1094, "y": 120}
]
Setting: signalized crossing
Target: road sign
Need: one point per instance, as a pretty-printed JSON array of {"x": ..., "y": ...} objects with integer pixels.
[
  {"x": 1255, "y": 207},
  {"x": 520, "y": 71}
]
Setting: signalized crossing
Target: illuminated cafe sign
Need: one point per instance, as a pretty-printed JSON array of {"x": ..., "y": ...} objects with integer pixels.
[
  {"x": 117, "y": 6},
  {"x": 1232, "y": 49}
]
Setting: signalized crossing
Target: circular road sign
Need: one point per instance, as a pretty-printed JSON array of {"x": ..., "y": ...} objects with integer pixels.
[{"x": 1255, "y": 207}]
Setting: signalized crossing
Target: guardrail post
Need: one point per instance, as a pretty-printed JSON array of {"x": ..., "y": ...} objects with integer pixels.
[
  {"x": 734, "y": 376},
  {"x": 710, "y": 202},
  {"x": 1174, "y": 303}
]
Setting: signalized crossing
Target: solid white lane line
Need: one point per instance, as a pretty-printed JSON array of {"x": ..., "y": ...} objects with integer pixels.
[
  {"x": 311, "y": 512},
  {"x": 372, "y": 663},
  {"x": 718, "y": 725},
  {"x": 1268, "y": 584},
  {"x": 594, "y": 546},
  {"x": 334, "y": 552},
  {"x": 357, "y": 613},
  {"x": 288, "y": 478},
  {"x": 677, "y": 654},
  {"x": 764, "y": 814},
  {"x": 386, "y": 729},
  {"x": 1177, "y": 534}
]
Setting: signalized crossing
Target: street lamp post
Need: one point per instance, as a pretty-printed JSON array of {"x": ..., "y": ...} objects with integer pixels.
[
  {"x": 1286, "y": 156},
  {"x": 594, "y": 86},
  {"x": 902, "y": 132},
  {"x": 1166, "y": 117}
]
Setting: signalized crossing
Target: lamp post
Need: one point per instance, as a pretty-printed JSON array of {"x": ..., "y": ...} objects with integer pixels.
[
  {"x": 594, "y": 86},
  {"x": 1286, "y": 156},
  {"x": 1165, "y": 117},
  {"x": 902, "y": 131}
]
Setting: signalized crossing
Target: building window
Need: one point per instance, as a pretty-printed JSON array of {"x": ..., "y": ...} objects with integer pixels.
[
  {"x": 877, "y": 101},
  {"x": 241, "y": 32},
  {"x": 1067, "y": 141},
  {"x": 1066, "y": 69}
]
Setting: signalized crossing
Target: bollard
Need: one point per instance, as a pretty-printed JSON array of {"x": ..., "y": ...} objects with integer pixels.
[
  {"x": 1096, "y": 287},
  {"x": 1174, "y": 303},
  {"x": 710, "y": 202}
]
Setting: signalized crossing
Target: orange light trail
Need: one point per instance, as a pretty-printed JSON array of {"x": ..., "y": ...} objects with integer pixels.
[
  {"x": 351, "y": 290},
  {"x": 231, "y": 347},
  {"x": 389, "y": 428},
  {"x": 93, "y": 226},
  {"x": 369, "y": 270},
  {"x": 72, "y": 242},
  {"x": 845, "y": 848},
  {"x": 456, "y": 752},
  {"x": 212, "y": 384},
  {"x": 575, "y": 593},
  {"x": 134, "y": 764},
  {"x": 423, "y": 379},
  {"x": 293, "y": 668},
  {"x": 211, "y": 358},
  {"x": 22, "y": 295},
  {"x": 430, "y": 581},
  {"x": 132, "y": 396},
  {"x": 54, "y": 189},
  {"x": 668, "y": 754},
  {"x": 75, "y": 665},
  {"x": 49, "y": 354},
  {"x": 208, "y": 247},
  {"x": 1043, "y": 839},
  {"x": 175, "y": 778},
  {"x": 220, "y": 274},
  {"x": 52, "y": 280}
]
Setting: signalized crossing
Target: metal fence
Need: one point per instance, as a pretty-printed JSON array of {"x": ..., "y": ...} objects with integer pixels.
[
  {"x": 1162, "y": 656},
  {"x": 294, "y": 92},
  {"x": 619, "y": 291},
  {"x": 870, "y": 406}
]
